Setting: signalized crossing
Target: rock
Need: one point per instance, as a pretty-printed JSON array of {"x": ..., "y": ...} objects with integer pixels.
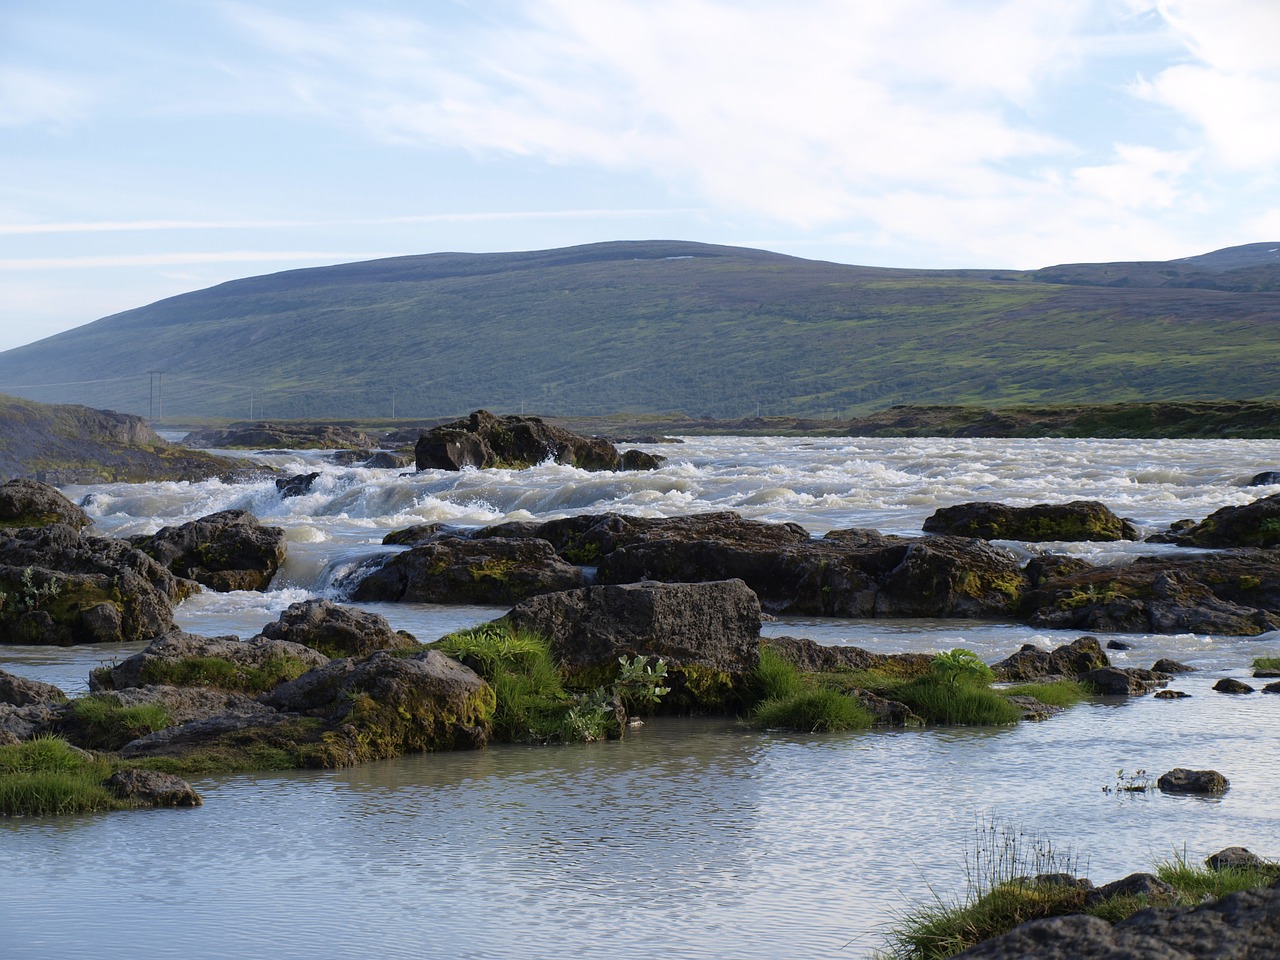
[
  {"x": 850, "y": 574},
  {"x": 1235, "y": 858},
  {"x": 281, "y": 436},
  {"x": 1070, "y": 660},
  {"x": 1254, "y": 524},
  {"x": 811, "y": 657},
  {"x": 1234, "y": 593},
  {"x": 1131, "y": 682},
  {"x": 1119, "y": 645},
  {"x": 178, "y": 655},
  {"x": 708, "y": 633},
  {"x": 639, "y": 460},
  {"x": 189, "y": 704},
  {"x": 1272, "y": 687},
  {"x": 153, "y": 789},
  {"x": 1165, "y": 665},
  {"x": 1075, "y": 521},
  {"x": 386, "y": 460},
  {"x": 1265, "y": 479},
  {"x": 224, "y": 551},
  {"x": 1033, "y": 709},
  {"x": 337, "y": 631},
  {"x": 485, "y": 440},
  {"x": 454, "y": 570},
  {"x": 1052, "y": 566},
  {"x": 1181, "y": 780},
  {"x": 27, "y": 721},
  {"x": 1171, "y": 695},
  {"x": 418, "y": 533},
  {"x": 1230, "y": 685},
  {"x": 62, "y": 587},
  {"x": 386, "y": 705},
  {"x": 21, "y": 692},
  {"x": 296, "y": 486},
  {"x": 30, "y": 503},
  {"x": 1240, "y": 926}
]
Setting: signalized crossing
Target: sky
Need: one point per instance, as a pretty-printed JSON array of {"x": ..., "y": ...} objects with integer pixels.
[{"x": 152, "y": 148}]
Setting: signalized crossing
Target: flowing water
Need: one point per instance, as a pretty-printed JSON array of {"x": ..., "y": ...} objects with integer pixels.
[{"x": 691, "y": 838}]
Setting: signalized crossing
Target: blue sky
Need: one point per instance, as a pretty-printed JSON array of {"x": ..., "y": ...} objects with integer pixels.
[{"x": 151, "y": 148}]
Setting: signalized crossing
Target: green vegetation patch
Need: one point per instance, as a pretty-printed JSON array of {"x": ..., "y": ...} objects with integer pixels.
[
  {"x": 47, "y": 776},
  {"x": 103, "y": 723},
  {"x": 223, "y": 674},
  {"x": 1059, "y": 693}
]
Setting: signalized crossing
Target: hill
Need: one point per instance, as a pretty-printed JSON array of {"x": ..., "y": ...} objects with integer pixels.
[
  {"x": 63, "y": 444},
  {"x": 710, "y": 331}
]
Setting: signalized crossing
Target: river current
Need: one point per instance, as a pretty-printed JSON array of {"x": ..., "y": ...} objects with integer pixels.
[{"x": 690, "y": 838}]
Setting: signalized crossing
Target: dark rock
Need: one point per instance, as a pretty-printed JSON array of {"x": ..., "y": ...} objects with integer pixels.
[
  {"x": 1265, "y": 479},
  {"x": 1272, "y": 687},
  {"x": 281, "y": 436},
  {"x": 486, "y": 440},
  {"x": 1234, "y": 593},
  {"x": 1070, "y": 660},
  {"x": 708, "y": 633},
  {"x": 1230, "y": 685},
  {"x": 296, "y": 486},
  {"x": 189, "y": 704},
  {"x": 1236, "y": 858},
  {"x": 1171, "y": 695},
  {"x": 21, "y": 692},
  {"x": 229, "y": 550},
  {"x": 385, "y": 460},
  {"x": 162, "y": 655},
  {"x": 1131, "y": 682},
  {"x": 454, "y": 570},
  {"x": 1171, "y": 535},
  {"x": 30, "y": 503},
  {"x": 31, "y": 720},
  {"x": 1134, "y": 885},
  {"x": 1053, "y": 566},
  {"x": 153, "y": 789},
  {"x": 811, "y": 657},
  {"x": 1182, "y": 780},
  {"x": 1119, "y": 645},
  {"x": 1078, "y": 520},
  {"x": 1033, "y": 709},
  {"x": 418, "y": 533},
  {"x": 62, "y": 587},
  {"x": 1165, "y": 665},
  {"x": 639, "y": 460},
  {"x": 1240, "y": 926},
  {"x": 1254, "y": 524},
  {"x": 337, "y": 631}
]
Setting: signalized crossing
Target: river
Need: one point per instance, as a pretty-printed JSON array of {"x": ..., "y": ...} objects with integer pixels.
[{"x": 691, "y": 837}]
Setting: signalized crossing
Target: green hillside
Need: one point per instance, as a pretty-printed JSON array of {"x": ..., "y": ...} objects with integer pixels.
[{"x": 671, "y": 326}]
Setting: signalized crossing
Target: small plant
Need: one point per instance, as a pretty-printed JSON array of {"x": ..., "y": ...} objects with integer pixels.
[
  {"x": 639, "y": 683},
  {"x": 812, "y": 711},
  {"x": 29, "y": 596},
  {"x": 961, "y": 666},
  {"x": 1131, "y": 783}
]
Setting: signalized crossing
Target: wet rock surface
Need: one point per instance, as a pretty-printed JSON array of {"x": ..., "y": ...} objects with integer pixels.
[
  {"x": 228, "y": 550},
  {"x": 1079, "y": 520}
]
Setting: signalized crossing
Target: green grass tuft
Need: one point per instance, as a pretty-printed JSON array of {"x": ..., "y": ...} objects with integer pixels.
[
  {"x": 47, "y": 776},
  {"x": 1059, "y": 693},
  {"x": 223, "y": 674},
  {"x": 102, "y": 723},
  {"x": 774, "y": 678},
  {"x": 813, "y": 711}
]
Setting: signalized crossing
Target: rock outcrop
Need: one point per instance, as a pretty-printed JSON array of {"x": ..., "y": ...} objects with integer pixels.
[
  {"x": 281, "y": 436},
  {"x": 337, "y": 631},
  {"x": 455, "y": 570},
  {"x": 708, "y": 634},
  {"x": 1078, "y": 520},
  {"x": 1254, "y": 524},
  {"x": 485, "y": 440},
  {"x": 30, "y": 503},
  {"x": 229, "y": 550}
]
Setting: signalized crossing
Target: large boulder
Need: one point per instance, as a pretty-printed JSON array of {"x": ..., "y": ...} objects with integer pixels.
[
  {"x": 1182, "y": 780},
  {"x": 281, "y": 436},
  {"x": 337, "y": 631},
  {"x": 1240, "y": 926},
  {"x": 229, "y": 550},
  {"x": 1235, "y": 593},
  {"x": 61, "y": 587},
  {"x": 30, "y": 503},
  {"x": 858, "y": 573},
  {"x": 708, "y": 633},
  {"x": 456, "y": 570},
  {"x": 22, "y": 692},
  {"x": 1254, "y": 524},
  {"x": 150, "y": 788},
  {"x": 485, "y": 440},
  {"x": 184, "y": 659},
  {"x": 1077, "y": 520}
]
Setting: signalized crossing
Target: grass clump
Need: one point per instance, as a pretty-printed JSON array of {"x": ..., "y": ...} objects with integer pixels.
[
  {"x": 533, "y": 705},
  {"x": 1059, "y": 693},
  {"x": 816, "y": 711},
  {"x": 47, "y": 776},
  {"x": 1266, "y": 666},
  {"x": 103, "y": 723},
  {"x": 224, "y": 674},
  {"x": 774, "y": 677},
  {"x": 1197, "y": 883},
  {"x": 957, "y": 690}
]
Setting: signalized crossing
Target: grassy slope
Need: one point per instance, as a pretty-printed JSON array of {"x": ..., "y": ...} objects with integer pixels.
[{"x": 660, "y": 326}]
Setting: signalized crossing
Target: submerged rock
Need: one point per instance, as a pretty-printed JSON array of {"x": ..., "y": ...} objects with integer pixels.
[
  {"x": 1182, "y": 780},
  {"x": 1078, "y": 520}
]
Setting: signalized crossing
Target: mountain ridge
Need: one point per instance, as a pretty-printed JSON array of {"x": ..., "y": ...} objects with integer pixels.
[{"x": 709, "y": 330}]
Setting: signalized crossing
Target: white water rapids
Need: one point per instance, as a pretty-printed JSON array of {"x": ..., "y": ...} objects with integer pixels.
[{"x": 690, "y": 838}]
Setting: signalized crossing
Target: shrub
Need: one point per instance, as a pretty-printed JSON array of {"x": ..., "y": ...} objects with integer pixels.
[{"x": 961, "y": 666}]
